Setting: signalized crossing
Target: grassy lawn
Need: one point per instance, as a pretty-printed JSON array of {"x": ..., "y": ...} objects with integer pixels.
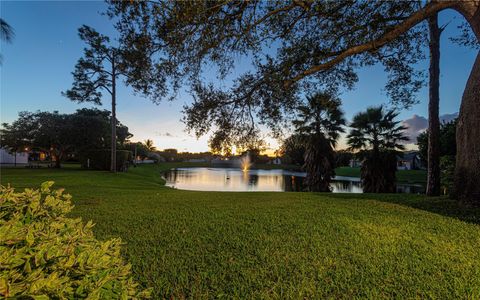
[{"x": 189, "y": 244}]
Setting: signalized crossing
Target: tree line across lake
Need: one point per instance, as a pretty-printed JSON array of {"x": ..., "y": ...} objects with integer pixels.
[{"x": 82, "y": 135}]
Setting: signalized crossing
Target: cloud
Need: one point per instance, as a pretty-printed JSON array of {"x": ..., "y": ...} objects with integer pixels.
[
  {"x": 448, "y": 117},
  {"x": 418, "y": 124},
  {"x": 166, "y": 134},
  {"x": 415, "y": 125}
]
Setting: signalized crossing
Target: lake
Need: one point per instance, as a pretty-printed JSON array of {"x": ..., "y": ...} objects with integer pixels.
[{"x": 236, "y": 180}]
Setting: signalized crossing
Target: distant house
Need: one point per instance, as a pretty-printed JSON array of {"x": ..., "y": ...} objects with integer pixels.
[
  {"x": 276, "y": 161},
  {"x": 145, "y": 161},
  {"x": 197, "y": 160},
  {"x": 151, "y": 158},
  {"x": 409, "y": 161},
  {"x": 355, "y": 163},
  {"x": 225, "y": 161},
  {"x": 9, "y": 158}
]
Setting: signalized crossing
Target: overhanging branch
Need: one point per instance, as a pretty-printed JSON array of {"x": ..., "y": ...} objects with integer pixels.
[{"x": 398, "y": 30}]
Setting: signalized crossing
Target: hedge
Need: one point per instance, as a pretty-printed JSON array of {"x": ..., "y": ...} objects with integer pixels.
[
  {"x": 100, "y": 159},
  {"x": 44, "y": 254}
]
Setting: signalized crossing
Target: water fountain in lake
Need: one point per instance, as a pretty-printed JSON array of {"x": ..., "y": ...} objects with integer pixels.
[{"x": 245, "y": 162}]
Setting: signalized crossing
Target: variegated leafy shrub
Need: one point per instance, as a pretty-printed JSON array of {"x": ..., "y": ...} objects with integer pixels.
[{"x": 45, "y": 254}]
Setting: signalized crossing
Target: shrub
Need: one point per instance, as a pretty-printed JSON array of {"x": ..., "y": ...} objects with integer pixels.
[
  {"x": 100, "y": 159},
  {"x": 378, "y": 172},
  {"x": 44, "y": 254},
  {"x": 447, "y": 173}
]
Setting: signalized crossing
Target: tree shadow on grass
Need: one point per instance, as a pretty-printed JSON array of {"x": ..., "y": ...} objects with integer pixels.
[{"x": 440, "y": 205}]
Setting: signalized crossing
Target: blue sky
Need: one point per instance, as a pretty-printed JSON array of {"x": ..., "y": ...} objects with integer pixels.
[{"x": 37, "y": 66}]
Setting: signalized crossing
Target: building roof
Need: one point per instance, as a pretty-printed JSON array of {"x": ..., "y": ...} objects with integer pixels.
[{"x": 411, "y": 155}]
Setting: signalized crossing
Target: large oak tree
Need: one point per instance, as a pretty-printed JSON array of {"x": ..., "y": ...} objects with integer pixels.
[{"x": 61, "y": 134}]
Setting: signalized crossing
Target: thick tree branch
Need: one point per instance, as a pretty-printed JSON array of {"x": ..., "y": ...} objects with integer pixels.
[{"x": 398, "y": 30}]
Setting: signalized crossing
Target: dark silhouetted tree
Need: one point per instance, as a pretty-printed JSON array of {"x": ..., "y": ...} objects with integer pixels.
[
  {"x": 343, "y": 158},
  {"x": 320, "y": 121},
  {"x": 149, "y": 145},
  {"x": 448, "y": 145},
  {"x": 18, "y": 135},
  {"x": 137, "y": 148},
  {"x": 378, "y": 136},
  {"x": 6, "y": 33},
  {"x": 293, "y": 149},
  {"x": 98, "y": 70},
  {"x": 61, "y": 134}
]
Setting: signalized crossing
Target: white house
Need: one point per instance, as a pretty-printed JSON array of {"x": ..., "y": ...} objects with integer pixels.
[
  {"x": 355, "y": 163},
  {"x": 409, "y": 161},
  {"x": 196, "y": 160},
  {"x": 9, "y": 158},
  {"x": 406, "y": 161}
]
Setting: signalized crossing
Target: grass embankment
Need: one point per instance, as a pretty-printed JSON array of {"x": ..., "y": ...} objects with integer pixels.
[
  {"x": 410, "y": 176},
  {"x": 276, "y": 245}
]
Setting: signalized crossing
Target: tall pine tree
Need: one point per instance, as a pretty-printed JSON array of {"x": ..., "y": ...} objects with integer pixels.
[{"x": 97, "y": 71}]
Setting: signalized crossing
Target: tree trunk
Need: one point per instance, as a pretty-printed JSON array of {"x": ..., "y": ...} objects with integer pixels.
[
  {"x": 58, "y": 157},
  {"x": 433, "y": 178},
  {"x": 15, "y": 159},
  {"x": 319, "y": 164},
  {"x": 467, "y": 171},
  {"x": 113, "y": 154},
  {"x": 57, "y": 162}
]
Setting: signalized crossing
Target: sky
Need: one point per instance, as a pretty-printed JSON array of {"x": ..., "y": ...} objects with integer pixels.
[{"x": 37, "y": 67}]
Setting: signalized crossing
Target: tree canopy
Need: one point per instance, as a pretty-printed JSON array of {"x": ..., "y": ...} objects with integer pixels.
[
  {"x": 93, "y": 71},
  {"x": 321, "y": 116},
  {"x": 376, "y": 129},
  {"x": 320, "y": 122},
  {"x": 448, "y": 145},
  {"x": 294, "y": 46},
  {"x": 6, "y": 31},
  {"x": 377, "y": 135},
  {"x": 96, "y": 72},
  {"x": 293, "y": 148},
  {"x": 61, "y": 134}
]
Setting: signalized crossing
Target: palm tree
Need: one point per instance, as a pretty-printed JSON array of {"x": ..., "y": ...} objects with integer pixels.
[
  {"x": 320, "y": 121},
  {"x": 377, "y": 135},
  {"x": 149, "y": 145},
  {"x": 6, "y": 33}
]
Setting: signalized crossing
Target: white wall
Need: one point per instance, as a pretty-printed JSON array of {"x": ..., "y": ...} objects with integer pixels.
[
  {"x": 145, "y": 161},
  {"x": 7, "y": 158}
]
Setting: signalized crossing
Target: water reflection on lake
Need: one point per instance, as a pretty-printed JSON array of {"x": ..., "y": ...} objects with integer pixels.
[{"x": 232, "y": 179}]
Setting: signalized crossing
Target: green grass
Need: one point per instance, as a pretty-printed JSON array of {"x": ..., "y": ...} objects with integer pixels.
[{"x": 189, "y": 244}]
